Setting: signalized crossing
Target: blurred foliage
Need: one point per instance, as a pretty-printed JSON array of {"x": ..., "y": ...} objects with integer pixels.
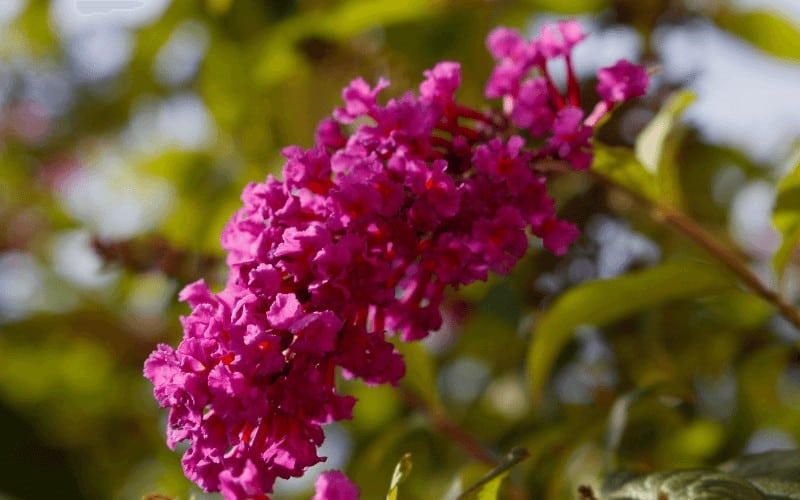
[{"x": 127, "y": 137}]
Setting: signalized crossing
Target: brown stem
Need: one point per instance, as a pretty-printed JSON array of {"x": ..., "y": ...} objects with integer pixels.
[
  {"x": 155, "y": 253},
  {"x": 699, "y": 235},
  {"x": 448, "y": 428}
]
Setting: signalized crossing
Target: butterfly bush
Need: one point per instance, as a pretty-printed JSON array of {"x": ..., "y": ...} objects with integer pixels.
[{"x": 394, "y": 203}]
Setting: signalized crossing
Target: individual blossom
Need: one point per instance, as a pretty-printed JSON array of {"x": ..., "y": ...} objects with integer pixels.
[
  {"x": 358, "y": 240},
  {"x": 622, "y": 81},
  {"x": 570, "y": 138},
  {"x": 531, "y": 108},
  {"x": 570, "y": 34},
  {"x": 333, "y": 485}
]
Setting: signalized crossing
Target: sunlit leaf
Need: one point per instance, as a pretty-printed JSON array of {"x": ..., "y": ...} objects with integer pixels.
[
  {"x": 621, "y": 166},
  {"x": 766, "y": 30},
  {"x": 471, "y": 473},
  {"x": 490, "y": 490},
  {"x": 356, "y": 16},
  {"x": 786, "y": 215},
  {"x": 401, "y": 472},
  {"x": 601, "y": 302},
  {"x": 657, "y": 145}
]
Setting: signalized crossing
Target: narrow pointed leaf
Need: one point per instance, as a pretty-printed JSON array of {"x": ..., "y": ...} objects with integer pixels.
[
  {"x": 650, "y": 143},
  {"x": 401, "y": 472},
  {"x": 657, "y": 146},
  {"x": 601, "y": 302},
  {"x": 786, "y": 215}
]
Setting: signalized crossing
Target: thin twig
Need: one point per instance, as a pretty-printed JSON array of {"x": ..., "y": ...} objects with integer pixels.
[
  {"x": 516, "y": 456},
  {"x": 704, "y": 239}
]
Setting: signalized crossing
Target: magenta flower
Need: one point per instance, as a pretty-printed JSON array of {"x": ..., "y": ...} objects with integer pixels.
[
  {"x": 333, "y": 485},
  {"x": 506, "y": 43},
  {"x": 622, "y": 81},
  {"x": 570, "y": 139},
  {"x": 360, "y": 240},
  {"x": 569, "y": 35},
  {"x": 359, "y": 99},
  {"x": 531, "y": 107}
]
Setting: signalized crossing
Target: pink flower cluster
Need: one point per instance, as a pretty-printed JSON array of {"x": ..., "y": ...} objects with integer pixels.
[
  {"x": 393, "y": 204},
  {"x": 534, "y": 103}
]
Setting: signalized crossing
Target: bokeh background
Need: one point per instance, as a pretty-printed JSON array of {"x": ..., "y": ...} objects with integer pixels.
[{"x": 129, "y": 127}]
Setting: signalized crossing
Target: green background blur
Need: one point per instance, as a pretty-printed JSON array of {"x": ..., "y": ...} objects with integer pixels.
[{"x": 128, "y": 129}]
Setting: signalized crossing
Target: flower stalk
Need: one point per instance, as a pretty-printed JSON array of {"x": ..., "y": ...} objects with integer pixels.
[{"x": 694, "y": 231}]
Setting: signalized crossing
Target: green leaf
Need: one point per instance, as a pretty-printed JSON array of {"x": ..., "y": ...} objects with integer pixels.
[
  {"x": 767, "y": 31},
  {"x": 774, "y": 472},
  {"x": 688, "y": 484},
  {"x": 490, "y": 490},
  {"x": 657, "y": 145},
  {"x": 401, "y": 472},
  {"x": 771, "y": 475},
  {"x": 765, "y": 464},
  {"x": 601, "y": 302},
  {"x": 621, "y": 166},
  {"x": 786, "y": 215}
]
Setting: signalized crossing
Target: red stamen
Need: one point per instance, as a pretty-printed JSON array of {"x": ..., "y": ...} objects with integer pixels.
[
  {"x": 429, "y": 183},
  {"x": 504, "y": 166},
  {"x": 466, "y": 132},
  {"x": 379, "y": 319},
  {"x": 330, "y": 375},
  {"x": 573, "y": 88},
  {"x": 555, "y": 95},
  {"x": 320, "y": 187},
  {"x": 441, "y": 142},
  {"x": 360, "y": 318},
  {"x": 467, "y": 112},
  {"x": 247, "y": 430}
]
